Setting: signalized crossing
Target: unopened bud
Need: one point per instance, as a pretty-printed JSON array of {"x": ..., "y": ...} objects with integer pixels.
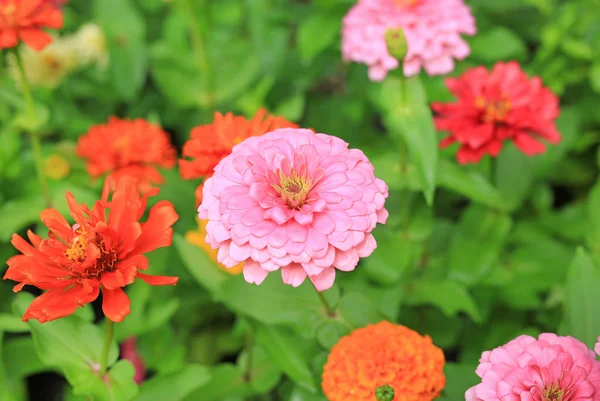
[
  {"x": 384, "y": 393},
  {"x": 396, "y": 43}
]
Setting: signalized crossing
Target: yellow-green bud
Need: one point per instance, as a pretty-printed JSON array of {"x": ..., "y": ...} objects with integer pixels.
[{"x": 396, "y": 43}]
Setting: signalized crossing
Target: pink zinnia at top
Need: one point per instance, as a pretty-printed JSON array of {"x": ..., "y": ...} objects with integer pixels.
[
  {"x": 551, "y": 368},
  {"x": 432, "y": 29},
  {"x": 294, "y": 201}
]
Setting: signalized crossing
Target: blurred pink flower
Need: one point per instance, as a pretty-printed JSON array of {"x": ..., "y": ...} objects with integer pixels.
[
  {"x": 551, "y": 368},
  {"x": 296, "y": 201},
  {"x": 597, "y": 347},
  {"x": 432, "y": 29},
  {"x": 129, "y": 351}
]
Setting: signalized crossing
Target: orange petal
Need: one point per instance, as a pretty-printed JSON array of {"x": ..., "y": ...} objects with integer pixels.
[
  {"x": 158, "y": 280},
  {"x": 115, "y": 304}
]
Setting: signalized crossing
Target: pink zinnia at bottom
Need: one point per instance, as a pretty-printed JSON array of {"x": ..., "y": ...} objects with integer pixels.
[
  {"x": 551, "y": 368},
  {"x": 294, "y": 201}
]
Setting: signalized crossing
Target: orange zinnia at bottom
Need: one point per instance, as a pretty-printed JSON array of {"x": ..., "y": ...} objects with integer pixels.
[
  {"x": 102, "y": 251},
  {"x": 380, "y": 355}
]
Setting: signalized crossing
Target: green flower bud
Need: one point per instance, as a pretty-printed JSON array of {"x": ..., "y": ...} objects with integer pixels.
[
  {"x": 396, "y": 43},
  {"x": 384, "y": 393}
]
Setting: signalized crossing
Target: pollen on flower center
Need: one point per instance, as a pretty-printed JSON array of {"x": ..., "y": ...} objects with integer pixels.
[
  {"x": 294, "y": 189},
  {"x": 104, "y": 259},
  {"x": 553, "y": 392},
  {"x": 493, "y": 111}
]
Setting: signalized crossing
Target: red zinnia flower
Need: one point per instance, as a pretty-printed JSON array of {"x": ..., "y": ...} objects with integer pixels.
[
  {"x": 127, "y": 148},
  {"x": 24, "y": 20},
  {"x": 495, "y": 107},
  {"x": 98, "y": 252},
  {"x": 210, "y": 143}
]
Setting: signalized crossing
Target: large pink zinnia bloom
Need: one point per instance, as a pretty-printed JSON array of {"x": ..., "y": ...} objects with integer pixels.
[
  {"x": 294, "y": 201},
  {"x": 597, "y": 347},
  {"x": 551, "y": 368},
  {"x": 432, "y": 29}
]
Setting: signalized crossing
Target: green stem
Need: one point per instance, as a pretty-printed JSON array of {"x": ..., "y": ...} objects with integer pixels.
[
  {"x": 249, "y": 354},
  {"x": 36, "y": 143},
  {"x": 328, "y": 308},
  {"x": 199, "y": 44},
  {"x": 110, "y": 331}
]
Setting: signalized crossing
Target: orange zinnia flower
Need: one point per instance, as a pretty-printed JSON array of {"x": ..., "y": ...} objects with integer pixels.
[
  {"x": 24, "y": 20},
  {"x": 99, "y": 252},
  {"x": 127, "y": 148},
  {"x": 209, "y": 143},
  {"x": 384, "y": 356}
]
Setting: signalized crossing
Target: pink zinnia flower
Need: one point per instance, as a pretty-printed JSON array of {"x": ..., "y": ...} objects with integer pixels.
[
  {"x": 597, "y": 347},
  {"x": 551, "y": 368},
  {"x": 432, "y": 29},
  {"x": 296, "y": 201}
]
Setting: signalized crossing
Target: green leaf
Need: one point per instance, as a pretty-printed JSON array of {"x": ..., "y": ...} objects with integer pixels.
[
  {"x": 264, "y": 373},
  {"x": 292, "y": 108},
  {"x": 459, "y": 377},
  {"x": 200, "y": 266},
  {"x": 117, "y": 385},
  {"x": 394, "y": 255},
  {"x": 595, "y": 77},
  {"x": 275, "y": 303},
  {"x": 330, "y": 332},
  {"x": 498, "y": 44},
  {"x": 68, "y": 343},
  {"x": 226, "y": 380},
  {"x": 126, "y": 44},
  {"x": 283, "y": 348},
  {"x": 12, "y": 324},
  {"x": 358, "y": 310},
  {"x": 408, "y": 119},
  {"x": 593, "y": 220},
  {"x": 470, "y": 184},
  {"x": 477, "y": 244},
  {"x": 449, "y": 296},
  {"x": 581, "y": 319},
  {"x": 176, "y": 386},
  {"x": 20, "y": 354},
  {"x": 316, "y": 33},
  {"x": 17, "y": 214}
]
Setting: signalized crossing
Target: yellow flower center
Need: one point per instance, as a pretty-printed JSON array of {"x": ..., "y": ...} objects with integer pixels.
[
  {"x": 293, "y": 189},
  {"x": 494, "y": 111},
  {"x": 553, "y": 392},
  {"x": 77, "y": 251}
]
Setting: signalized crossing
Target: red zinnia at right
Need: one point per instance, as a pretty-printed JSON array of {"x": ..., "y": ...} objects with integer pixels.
[{"x": 495, "y": 107}]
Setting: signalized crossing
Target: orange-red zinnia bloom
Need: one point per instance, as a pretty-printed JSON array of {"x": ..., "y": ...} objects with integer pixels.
[
  {"x": 210, "y": 143},
  {"x": 24, "y": 20},
  {"x": 104, "y": 250},
  {"x": 494, "y": 107},
  {"x": 384, "y": 354},
  {"x": 127, "y": 148}
]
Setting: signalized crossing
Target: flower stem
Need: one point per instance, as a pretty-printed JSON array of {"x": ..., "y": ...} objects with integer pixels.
[
  {"x": 36, "y": 143},
  {"x": 108, "y": 337},
  {"x": 330, "y": 311},
  {"x": 249, "y": 355}
]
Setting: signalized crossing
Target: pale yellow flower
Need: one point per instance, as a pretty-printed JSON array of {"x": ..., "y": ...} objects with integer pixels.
[{"x": 91, "y": 46}]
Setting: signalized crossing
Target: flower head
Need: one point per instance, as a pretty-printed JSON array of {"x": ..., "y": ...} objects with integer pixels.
[
  {"x": 25, "y": 19},
  {"x": 127, "y": 148},
  {"x": 57, "y": 167},
  {"x": 103, "y": 250},
  {"x": 91, "y": 46},
  {"x": 550, "y": 368},
  {"x": 47, "y": 67},
  {"x": 198, "y": 238},
  {"x": 382, "y": 360},
  {"x": 209, "y": 143},
  {"x": 432, "y": 29},
  {"x": 296, "y": 201},
  {"x": 495, "y": 107}
]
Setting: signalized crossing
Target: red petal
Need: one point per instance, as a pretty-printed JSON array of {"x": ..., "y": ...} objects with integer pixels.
[
  {"x": 35, "y": 38},
  {"x": 158, "y": 280},
  {"x": 58, "y": 303},
  {"x": 157, "y": 231},
  {"x": 115, "y": 304},
  {"x": 528, "y": 145}
]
